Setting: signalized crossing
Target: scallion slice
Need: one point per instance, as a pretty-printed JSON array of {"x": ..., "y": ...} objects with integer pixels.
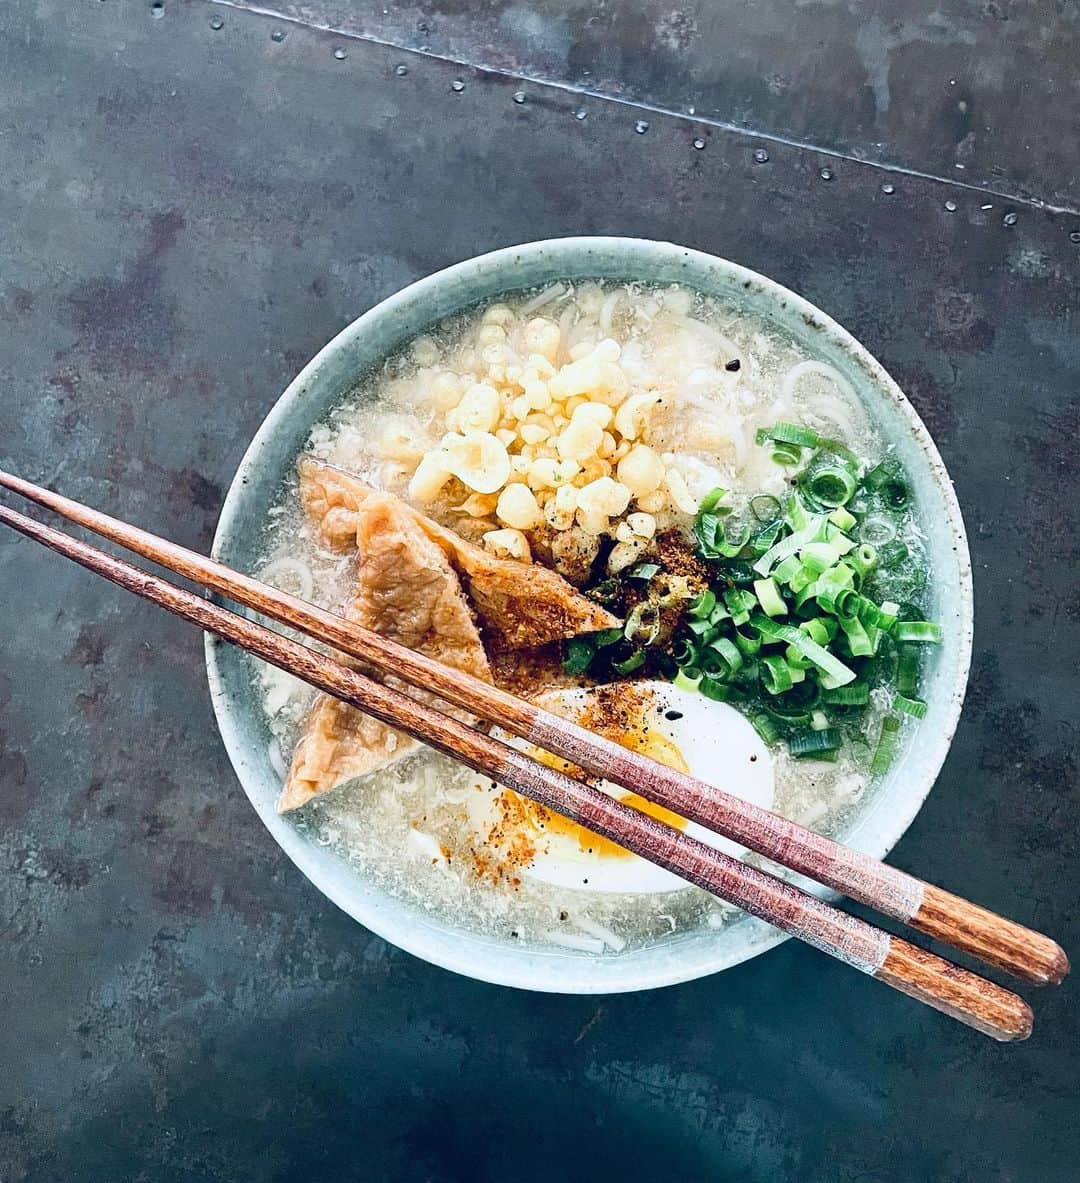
[
  {"x": 830, "y": 485},
  {"x": 888, "y": 742},
  {"x": 765, "y": 727},
  {"x": 831, "y": 666},
  {"x": 687, "y": 679},
  {"x": 789, "y": 433},
  {"x": 812, "y": 743},
  {"x": 712, "y": 499},
  {"x": 886, "y": 471},
  {"x": 910, "y": 706},
  {"x": 775, "y": 675},
  {"x": 907, "y": 670},
  {"x": 607, "y": 636},
  {"x": 715, "y": 688},
  {"x": 917, "y": 630},
  {"x": 864, "y": 558},
  {"x": 857, "y": 694},
  {"x": 701, "y": 606},
  {"x": 769, "y": 597},
  {"x": 643, "y": 571},
  {"x": 843, "y": 519},
  {"x": 635, "y": 661},
  {"x": 721, "y": 657}
]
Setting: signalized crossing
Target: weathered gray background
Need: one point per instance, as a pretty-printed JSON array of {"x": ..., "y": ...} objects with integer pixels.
[{"x": 186, "y": 215}]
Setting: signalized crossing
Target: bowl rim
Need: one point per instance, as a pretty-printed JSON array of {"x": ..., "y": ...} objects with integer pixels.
[{"x": 520, "y": 971}]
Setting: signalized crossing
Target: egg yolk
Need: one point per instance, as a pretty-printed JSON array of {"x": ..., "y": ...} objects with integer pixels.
[{"x": 650, "y": 741}]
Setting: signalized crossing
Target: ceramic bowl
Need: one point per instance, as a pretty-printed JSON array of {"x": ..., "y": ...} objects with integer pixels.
[{"x": 883, "y": 814}]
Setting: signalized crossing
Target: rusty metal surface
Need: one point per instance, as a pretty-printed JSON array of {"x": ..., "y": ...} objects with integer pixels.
[
  {"x": 983, "y": 92},
  {"x": 187, "y": 214}
]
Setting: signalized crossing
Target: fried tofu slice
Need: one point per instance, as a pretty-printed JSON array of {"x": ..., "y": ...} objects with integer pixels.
[
  {"x": 520, "y": 605},
  {"x": 406, "y": 590}
]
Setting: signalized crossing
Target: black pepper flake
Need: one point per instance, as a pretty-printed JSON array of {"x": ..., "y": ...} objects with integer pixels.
[
  {"x": 733, "y": 366},
  {"x": 753, "y": 759},
  {"x": 673, "y": 715}
]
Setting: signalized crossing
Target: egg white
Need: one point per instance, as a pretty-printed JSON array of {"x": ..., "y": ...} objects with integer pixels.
[{"x": 719, "y": 746}]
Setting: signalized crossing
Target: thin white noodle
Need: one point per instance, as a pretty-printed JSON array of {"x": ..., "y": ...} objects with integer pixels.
[
  {"x": 277, "y": 761},
  {"x": 610, "y": 938},
  {"x": 796, "y": 374},
  {"x": 607, "y": 311},
  {"x": 566, "y": 321},
  {"x": 542, "y": 298},
  {"x": 569, "y": 941}
]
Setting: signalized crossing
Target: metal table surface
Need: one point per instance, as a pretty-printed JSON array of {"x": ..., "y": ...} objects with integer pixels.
[{"x": 195, "y": 197}]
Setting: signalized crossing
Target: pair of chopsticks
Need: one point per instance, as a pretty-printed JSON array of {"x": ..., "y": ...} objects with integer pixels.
[{"x": 915, "y": 971}]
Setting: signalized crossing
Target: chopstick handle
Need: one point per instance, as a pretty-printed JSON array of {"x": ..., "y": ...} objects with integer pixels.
[
  {"x": 990, "y": 937},
  {"x": 957, "y": 992},
  {"x": 939, "y": 914}
]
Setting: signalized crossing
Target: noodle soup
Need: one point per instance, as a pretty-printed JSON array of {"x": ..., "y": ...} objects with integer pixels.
[{"x": 727, "y": 548}]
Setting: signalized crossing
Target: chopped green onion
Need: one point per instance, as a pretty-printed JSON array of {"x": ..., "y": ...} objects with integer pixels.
[
  {"x": 775, "y": 675},
  {"x": 715, "y": 688},
  {"x": 765, "y": 727},
  {"x": 843, "y": 519},
  {"x": 864, "y": 558},
  {"x": 789, "y": 433},
  {"x": 787, "y": 455},
  {"x": 700, "y": 627},
  {"x": 643, "y": 571},
  {"x": 811, "y": 532},
  {"x": 784, "y": 572},
  {"x": 748, "y": 645},
  {"x": 687, "y": 679},
  {"x": 917, "y": 630},
  {"x": 830, "y": 485},
  {"x": 635, "y": 661},
  {"x": 907, "y": 670},
  {"x": 723, "y": 656},
  {"x": 813, "y": 743},
  {"x": 702, "y": 605},
  {"x": 818, "y": 720},
  {"x": 829, "y": 665},
  {"x": 764, "y": 539},
  {"x": 858, "y": 639},
  {"x": 765, "y": 507},
  {"x": 818, "y": 557},
  {"x": 840, "y": 542},
  {"x": 739, "y": 604},
  {"x": 607, "y": 636},
  {"x": 910, "y": 706},
  {"x": 578, "y": 655},
  {"x": 856, "y": 694},
  {"x": 683, "y": 653},
  {"x": 768, "y": 594},
  {"x": 887, "y": 743},
  {"x": 712, "y": 499}
]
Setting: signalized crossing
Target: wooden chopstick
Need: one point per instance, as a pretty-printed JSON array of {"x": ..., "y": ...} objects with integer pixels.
[
  {"x": 924, "y": 976},
  {"x": 938, "y": 913}
]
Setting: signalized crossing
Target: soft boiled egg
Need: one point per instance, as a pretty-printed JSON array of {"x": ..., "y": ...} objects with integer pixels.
[{"x": 710, "y": 740}]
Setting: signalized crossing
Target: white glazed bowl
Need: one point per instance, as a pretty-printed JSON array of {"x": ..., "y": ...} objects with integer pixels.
[{"x": 884, "y": 813}]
